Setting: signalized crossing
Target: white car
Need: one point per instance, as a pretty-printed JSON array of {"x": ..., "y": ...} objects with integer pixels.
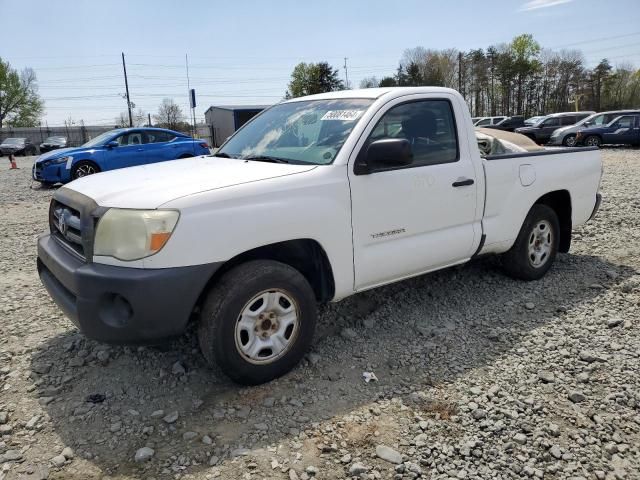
[{"x": 313, "y": 200}]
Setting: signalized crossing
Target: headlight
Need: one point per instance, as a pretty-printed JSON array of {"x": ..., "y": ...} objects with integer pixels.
[
  {"x": 133, "y": 234},
  {"x": 61, "y": 159}
]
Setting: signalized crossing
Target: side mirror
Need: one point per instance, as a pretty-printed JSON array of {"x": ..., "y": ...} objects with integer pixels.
[
  {"x": 111, "y": 144},
  {"x": 384, "y": 154}
]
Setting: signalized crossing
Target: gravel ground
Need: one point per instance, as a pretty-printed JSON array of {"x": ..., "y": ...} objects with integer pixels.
[{"x": 479, "y": 376}]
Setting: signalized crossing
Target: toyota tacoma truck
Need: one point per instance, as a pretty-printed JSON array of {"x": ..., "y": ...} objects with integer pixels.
[{"x": 315, "y": 199}]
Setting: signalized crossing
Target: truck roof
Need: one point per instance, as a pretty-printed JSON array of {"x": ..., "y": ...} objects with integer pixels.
[{"x": 373, "y": 93}]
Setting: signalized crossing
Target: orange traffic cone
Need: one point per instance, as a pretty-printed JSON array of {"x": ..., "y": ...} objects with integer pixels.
[{"x": 12, "y": 159}]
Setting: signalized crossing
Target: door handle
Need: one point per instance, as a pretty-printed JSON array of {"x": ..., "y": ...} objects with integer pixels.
[{"x": 463, "y": 182}]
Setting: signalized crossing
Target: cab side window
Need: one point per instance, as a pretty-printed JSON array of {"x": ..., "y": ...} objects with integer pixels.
[
  {"x": 569, "y": 120},
  {"x": 429, "y": 127},
  {"x": 129, "y": 139},
  {"x": 158, "y": 137},
  {"x": 625, "y": 122},
  {"x": 552, "y": 122}
]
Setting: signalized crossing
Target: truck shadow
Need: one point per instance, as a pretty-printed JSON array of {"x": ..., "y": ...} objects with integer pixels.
[{"x": 415, "y": 335}]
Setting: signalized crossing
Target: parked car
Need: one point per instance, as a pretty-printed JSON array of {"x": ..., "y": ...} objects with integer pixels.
[
  {"x": 315, "y": 199},
  {"x": 120, "y": 148},
  {"x": 486, "y": 121},
  {"x": 534, "y": 120},
  {"x": 541, "y": 131},
  {"x": 567, "y": 135},
  {"x": 17, "y": 146},
  {"x": 53, "y": 143},
  {"x": 622, "y": 130},
  {"x": 509, "y": 124}
]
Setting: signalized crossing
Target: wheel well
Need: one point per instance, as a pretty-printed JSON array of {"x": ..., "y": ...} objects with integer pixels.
[
  {"x": 305, "y": 255},
  {"x": 560, "y": 202}
]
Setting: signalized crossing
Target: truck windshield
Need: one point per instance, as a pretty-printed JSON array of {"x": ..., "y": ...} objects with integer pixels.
[{"x": 311, "y": 131}]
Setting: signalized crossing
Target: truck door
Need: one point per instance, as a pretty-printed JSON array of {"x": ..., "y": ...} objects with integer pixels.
[{"x": 415, "y": 218}]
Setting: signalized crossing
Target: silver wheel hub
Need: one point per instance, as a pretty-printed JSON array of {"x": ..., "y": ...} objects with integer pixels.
[
  {"x": 85, "y": 170},
  {"x": 571, "y": 141},
  {"x": 540, "y": 244},
  {"x": 267, "y": 326}
]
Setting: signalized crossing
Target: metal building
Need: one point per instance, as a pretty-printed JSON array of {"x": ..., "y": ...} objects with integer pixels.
[{"x": 224, "y": 120}]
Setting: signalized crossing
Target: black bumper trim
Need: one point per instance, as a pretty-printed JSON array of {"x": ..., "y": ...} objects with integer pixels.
[
  {"x": 596, "y": 207},
  {"x": 119, "y": 304}
]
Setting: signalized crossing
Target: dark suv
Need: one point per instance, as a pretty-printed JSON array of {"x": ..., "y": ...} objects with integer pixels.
[
  {"x": 541, "y": 131},
  {"x": 509, "y": 124}
]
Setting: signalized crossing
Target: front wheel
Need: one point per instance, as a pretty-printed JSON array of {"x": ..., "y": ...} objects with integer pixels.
[
  {"x": 536, "y": 246},
  {"x": 83, "y": 168},
  {"x": 592, "y": 141},
  {"x": 569, "y": 141},
  {"x": 257, "y": 321}
]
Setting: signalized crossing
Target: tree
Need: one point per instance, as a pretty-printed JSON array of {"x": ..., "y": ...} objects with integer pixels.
[
  {"x": 369, "y": 82},
  {"x": 388, "y": 82},
  {"x": 139, "y": 119},
  {"x": 311, "y": 78},
  {"x": 169, "y": 115},
  {"x": 20, "y": 104},
  {"x": 598, "y": 77}
]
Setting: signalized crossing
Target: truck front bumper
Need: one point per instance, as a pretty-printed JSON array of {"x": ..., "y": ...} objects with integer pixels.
[{"x": 119, "y": 304}]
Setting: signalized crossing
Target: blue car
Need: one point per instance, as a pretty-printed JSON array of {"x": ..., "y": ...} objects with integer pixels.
[
  {"x": 623, "y": 130},
  {"x": 120, "y": 148}
]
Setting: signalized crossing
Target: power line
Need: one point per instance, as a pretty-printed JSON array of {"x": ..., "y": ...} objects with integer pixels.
[{"x": 595, "y": 40}]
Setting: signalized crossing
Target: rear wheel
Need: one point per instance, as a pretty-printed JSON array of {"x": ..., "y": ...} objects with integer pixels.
[
  {"x": 592, "y": 141},
  {"x": 257, "y": 321},
  {"x": 569, "y": 141},
  {"x": 84, "y": 168},
  {"x": 536, "y": 246}
]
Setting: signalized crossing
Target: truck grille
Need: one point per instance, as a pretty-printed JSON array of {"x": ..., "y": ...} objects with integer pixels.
[{"x": 65, "y": 225}]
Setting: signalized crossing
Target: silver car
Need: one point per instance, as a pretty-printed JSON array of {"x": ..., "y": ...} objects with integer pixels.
[{"x": 567, "y": 135}]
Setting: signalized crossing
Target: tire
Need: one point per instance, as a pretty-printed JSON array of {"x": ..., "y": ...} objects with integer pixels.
[
  {"x": 84, "y": 168},
  {"x": 536, "y": 246},
  {"x": 244, "y": 356},
  {"x": 185, "y": 155},
  {"x": 592, "y": 141},
  {"x": 569, "y": 141}
]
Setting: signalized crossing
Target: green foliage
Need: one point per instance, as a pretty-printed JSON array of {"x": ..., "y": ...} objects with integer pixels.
[
  {"x": 312, "y": 78},
  {"x": 20, "y": 104},
  {"x": 388, "y": 82},
  {"x": 520, "y": 78}
]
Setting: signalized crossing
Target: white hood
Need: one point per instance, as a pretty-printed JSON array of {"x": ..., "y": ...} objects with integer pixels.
[{"x": 150, "y": 186}]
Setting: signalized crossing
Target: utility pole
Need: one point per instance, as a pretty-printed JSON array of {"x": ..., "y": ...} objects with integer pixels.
[
  {"x": 346, "y": 74},
  {"x": 126, "y": 85},
  {"x": 460, "y": 74},
  {"x": 192, "y": 115},
  {"x": 149, "y": 116}
]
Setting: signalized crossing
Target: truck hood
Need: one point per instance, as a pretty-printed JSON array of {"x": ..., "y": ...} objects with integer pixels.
[{"x": 150, "y": 186}]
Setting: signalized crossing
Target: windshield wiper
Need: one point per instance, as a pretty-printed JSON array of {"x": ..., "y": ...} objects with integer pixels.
[
  {"x": 222, "y": 155},
  {"x": 265, "y": 158}
]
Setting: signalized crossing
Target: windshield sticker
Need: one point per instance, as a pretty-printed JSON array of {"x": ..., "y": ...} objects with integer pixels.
[{"x": 343, "y": 115}]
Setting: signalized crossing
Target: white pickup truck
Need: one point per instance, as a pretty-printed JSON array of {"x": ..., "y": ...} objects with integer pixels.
[{"x": 315, "y": 199}]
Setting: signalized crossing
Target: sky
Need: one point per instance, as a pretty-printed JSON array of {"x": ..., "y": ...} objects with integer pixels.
[{"x": 243, "y": 52}]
